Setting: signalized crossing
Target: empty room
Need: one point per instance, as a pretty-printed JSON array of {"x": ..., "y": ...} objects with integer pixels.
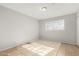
[{"x": 39, "y": 29}]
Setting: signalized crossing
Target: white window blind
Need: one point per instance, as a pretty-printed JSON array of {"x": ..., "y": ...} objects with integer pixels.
[{"x": 55, "y": 25}]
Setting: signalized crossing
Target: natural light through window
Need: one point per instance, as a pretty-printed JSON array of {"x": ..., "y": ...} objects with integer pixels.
[
  {"x": 55, "y": 25},
  {"x": 38, "y": 49}
]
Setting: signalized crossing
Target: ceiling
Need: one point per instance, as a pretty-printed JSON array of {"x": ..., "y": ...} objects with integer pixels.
[{"x": 53, "y": 9}]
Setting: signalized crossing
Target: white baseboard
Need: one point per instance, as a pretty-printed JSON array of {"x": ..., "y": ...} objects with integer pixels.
[{"x": 7, "y": 48}]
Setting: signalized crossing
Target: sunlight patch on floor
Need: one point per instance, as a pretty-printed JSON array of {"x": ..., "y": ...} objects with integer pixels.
[{"x": 38, "y": 49}]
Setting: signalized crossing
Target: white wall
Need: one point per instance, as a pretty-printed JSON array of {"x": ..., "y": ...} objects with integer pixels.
[
  {"x": 78, "y": 28},
  {"x": 16, "y": 28},
  {"x": 68, "y": 35}
]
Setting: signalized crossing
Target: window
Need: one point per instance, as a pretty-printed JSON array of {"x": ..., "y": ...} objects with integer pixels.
[{"x": 55, "y": 25}]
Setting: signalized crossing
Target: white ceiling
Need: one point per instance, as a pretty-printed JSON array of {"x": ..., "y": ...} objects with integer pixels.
[{"x": 53, "y": 9}]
